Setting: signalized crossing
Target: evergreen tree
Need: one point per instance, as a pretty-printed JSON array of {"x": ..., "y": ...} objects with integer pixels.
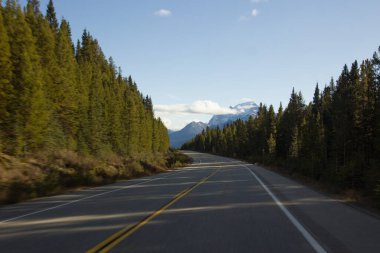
[
  {"x": 51, "y": 16},
  {"x": 335, "y": 138},
  {"x": 376, "y": 80},
  {"x": 67, "y": 92},
  {"x": 6, "y": 89},
  {"x": 53, "y": 96},
  {"x": 294, "y": 144},
  {"x": 34, "y": 6},
  {"x": 30, "y": 117},
  {"x": 51, "y": 75},
  {"x": 133, "y": 125},
  {"x": 271, "y": 132}
]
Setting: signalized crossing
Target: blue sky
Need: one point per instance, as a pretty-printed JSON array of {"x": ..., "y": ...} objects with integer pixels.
[{"x": 204, "y": 55}]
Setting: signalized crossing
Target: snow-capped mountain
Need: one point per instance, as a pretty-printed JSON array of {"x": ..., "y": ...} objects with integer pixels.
[
  {"x": 243, "y": 112},
  {"x": 178, "y": 138}
]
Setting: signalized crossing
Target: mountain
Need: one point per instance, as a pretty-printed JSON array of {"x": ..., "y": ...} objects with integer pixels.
[
  {"x": 187, "y": 133},
  {"x": 243, "y": 111}
]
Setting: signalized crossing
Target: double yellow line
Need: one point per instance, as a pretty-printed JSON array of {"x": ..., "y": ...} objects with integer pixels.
[{"x": 119, "y": 236}]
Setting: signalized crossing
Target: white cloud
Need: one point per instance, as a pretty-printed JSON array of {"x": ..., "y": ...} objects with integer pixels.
[
  {"x": 197, "y": 107},
  {"x": 163, "y": 13},
  {"x": 178, "y": 121},
  {"x": 254, "y": 13}
]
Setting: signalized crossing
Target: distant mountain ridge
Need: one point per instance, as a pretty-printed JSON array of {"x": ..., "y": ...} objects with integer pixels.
[
  {"x": 243, "y": 112},
  {"x": 178, "y": 138}
]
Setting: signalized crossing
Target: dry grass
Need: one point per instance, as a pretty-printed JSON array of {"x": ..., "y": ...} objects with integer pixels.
[{"x": 49, "y": 173}]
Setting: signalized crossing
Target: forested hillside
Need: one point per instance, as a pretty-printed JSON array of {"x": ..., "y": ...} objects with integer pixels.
[
  {"x": 55, "y": 94},
  {"x": 333, "y": 139},
  {"x": 67, "y": 115}
]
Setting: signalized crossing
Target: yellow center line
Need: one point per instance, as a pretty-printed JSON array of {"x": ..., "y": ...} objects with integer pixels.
[{"x": 119, "y": 236}]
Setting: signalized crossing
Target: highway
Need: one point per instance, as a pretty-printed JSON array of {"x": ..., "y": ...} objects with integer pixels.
[{"x": 216, "y": 204}]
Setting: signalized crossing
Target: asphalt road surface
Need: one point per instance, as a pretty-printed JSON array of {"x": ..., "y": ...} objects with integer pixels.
[{"x": 215, "y": 205}]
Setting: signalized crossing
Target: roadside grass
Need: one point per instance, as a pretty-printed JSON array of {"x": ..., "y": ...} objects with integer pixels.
[{"x": 53, "y": 172}]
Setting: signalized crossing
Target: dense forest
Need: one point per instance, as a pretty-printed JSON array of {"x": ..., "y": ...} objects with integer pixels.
[
  {"x": 67, "y": 115},
  {"x": 334, "y": 139},
  {"x": 55, "y": 94}
]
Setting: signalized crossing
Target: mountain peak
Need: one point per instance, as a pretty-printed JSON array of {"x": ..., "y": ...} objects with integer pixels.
[
  {"x": 189, "y": 131},
  {"x": 248, "y": 104},
  {"x": 243, "y": 112}
]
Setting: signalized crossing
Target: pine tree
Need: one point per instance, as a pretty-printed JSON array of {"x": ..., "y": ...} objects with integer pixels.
[
  {"x": 376, "y": 73},
  {"x": 327, "y": 120},
  {"x": 51, "y": 16},
  {"x": 113, "y": 103},
  {"x": 133, "y": 125},
  {"x": 341, "y": 117},
  {"x": 67, "y": 92},
  {"x": 34, "y": 6},
  {"x": 313, "y": 144},
  {"x": 6, "y": 89},
  {"x": 294, "y": 144},
  {"x": 367, "y": 108},
  {"x": 271, "y": 132},
  {"x": 51, "y": 75},
  {"x": 271, "y": 142},
  {"x": 335, "y": 138},
  {"x": 55, "y": 96},
  {"x": 30, "y": 116}
]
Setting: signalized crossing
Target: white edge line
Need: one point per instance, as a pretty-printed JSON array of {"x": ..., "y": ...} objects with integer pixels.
[
  {"x": 212, "y": 166},
  {"x": 309, "y": 238},
  {"x": 88, "y": 197},
  {"x": 216, "y": 163}
]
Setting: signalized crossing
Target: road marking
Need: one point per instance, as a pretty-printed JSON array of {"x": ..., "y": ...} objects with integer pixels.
[
  {"x": 118, "y": 237},
  {"x": 309, "y": 238},
  {"x": 217, "y": 163},
  {"x": 88, "y": 197},
  {"x": 214, "y": 166}
]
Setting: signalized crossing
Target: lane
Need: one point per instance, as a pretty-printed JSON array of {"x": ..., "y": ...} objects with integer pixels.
[
  {"x": 80, "y": 225},
  {"x": 246, "y": 208},
  {"x": 229, "y": 210},
  {"x": 306, "y": 234},
  {"x": 118, "y": 237},
  {"x": 24, "y": 209},
  {"x": 10, "y": 212},
  {"x": 338, "y": 226}
]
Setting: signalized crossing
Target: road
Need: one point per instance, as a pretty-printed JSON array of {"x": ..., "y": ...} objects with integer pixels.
[{"x": 215, "y": 205}]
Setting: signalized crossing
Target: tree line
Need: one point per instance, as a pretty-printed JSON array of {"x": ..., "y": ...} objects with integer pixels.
[
  {"x": 334, "y": 139},
  {"x": 55, "y": 94}
]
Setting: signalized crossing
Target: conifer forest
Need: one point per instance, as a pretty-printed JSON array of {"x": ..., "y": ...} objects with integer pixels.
[
  {"x": 334, "y": 139},
  {"x": 57, "y": 94},
  {"x": 68, "y": 117}
]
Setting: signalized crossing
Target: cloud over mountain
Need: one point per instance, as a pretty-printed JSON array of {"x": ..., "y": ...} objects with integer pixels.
[{"x": 197, "y": 107}]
